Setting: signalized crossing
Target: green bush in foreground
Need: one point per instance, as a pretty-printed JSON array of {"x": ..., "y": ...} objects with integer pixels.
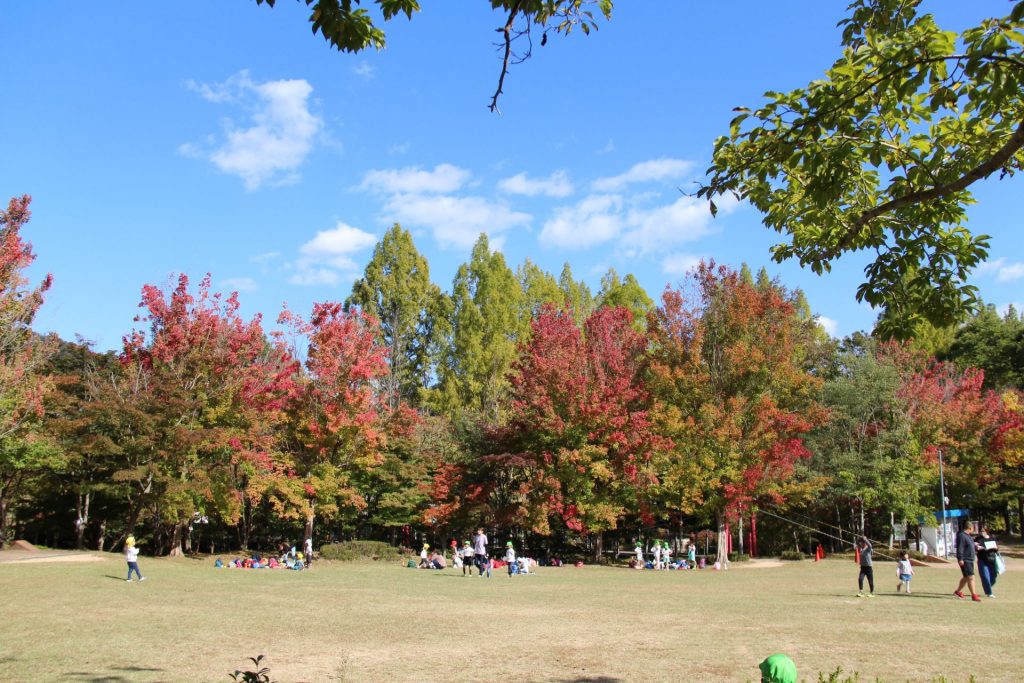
[
  {"x": 349, "y": 551},
  {"x": 791, "y": 555}
]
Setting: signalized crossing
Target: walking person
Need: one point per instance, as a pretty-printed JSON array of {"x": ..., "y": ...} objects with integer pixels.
[
  {"x": 483, "y": 563},
  {"x": 867, "y": 569},
  {"x": 131, "y": 555},
  {"x": 904, "y": 571},
  {"x": 987, "y": 551},
  {"x": 308, "y": 552},
  {"x": 965, "y": 556}
]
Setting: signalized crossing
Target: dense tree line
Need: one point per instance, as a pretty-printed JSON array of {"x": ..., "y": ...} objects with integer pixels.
[{"x": 518, "y": 400}]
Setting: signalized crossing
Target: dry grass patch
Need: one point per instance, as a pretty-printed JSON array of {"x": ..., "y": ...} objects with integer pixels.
[{"x": 374, "y": 622}]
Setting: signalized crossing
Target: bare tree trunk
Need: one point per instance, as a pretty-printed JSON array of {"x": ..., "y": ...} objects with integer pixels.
[
  {"x": 598, "y": 546},
  {"x": 723, "y": 540},
  {"x": 176, "y": 538},
  {"x": 101, "y": 538},
  {"x": 82, "y": 507}
]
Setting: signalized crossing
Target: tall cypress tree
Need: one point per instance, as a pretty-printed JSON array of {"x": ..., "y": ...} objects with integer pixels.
[
  {"x": 486, "y": 326},
  {"x": 396, "y": 289}
]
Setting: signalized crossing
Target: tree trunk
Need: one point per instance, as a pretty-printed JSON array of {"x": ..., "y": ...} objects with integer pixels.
[
  {"x": 308, "y": 533},
  {"x": 101, "y": 537},
  {"x": 723, "y": 540},
  {"x": 82, "y": 507},
  {"x": 176, "y": 538},
  {"x": 1020, "y": 516},
  {"x": 188, "y": 540},
  {"x": 1006, "y": 518},
  {"x": 598, "y": 547}
]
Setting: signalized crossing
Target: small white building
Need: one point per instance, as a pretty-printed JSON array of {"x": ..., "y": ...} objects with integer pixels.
[{"x": 937, "y": 538}]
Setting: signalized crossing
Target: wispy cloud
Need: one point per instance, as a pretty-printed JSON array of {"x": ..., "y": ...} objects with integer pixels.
[
  {"x": 264, "y": 258},
  {"x": 640, "y": 230},
  {"x": 831, "y": 326},
  {"x": 239, "y": 284},
  {"x": 555, "y": 185},
  {"x": 272, "y": 142},
  {"x": 608, "y": 147},
  {"x": 680, "y": 263},
  {"x": 414, "y": 180},
  {"x": 329, "y": 252},
  {"x": 594, "y": 220},
  {"x": 644, "y": 172},
  {"x": 364, "y": 70},
  {"x": 455, "y": 221},
  {"x": 1003, "y": 270}
]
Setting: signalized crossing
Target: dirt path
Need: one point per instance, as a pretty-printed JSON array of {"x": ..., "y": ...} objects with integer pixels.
[{"x": 22, "y": 556}]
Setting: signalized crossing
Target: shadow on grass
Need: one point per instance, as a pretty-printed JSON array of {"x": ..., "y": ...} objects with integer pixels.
[
  {"x": 591, "y": 679},
  {"x": 94, "y": 677},
  {"x": 890, "y": 596},
  {"x": 115, "y": 578}
]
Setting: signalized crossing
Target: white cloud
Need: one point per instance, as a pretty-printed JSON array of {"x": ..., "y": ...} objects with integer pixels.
[
  {"x": 239, "y": 284},
  {"x": 455, "y": 221},
  {"x": 328, "y": 252},
  {"x": 643, "y": 172},
  {"x": 398, "y": 148},
  {"x": 413, "y": 180},
  {"x": 364, "y": 70},
  {"x": 1004, "y": 271},
  {"x": 608, "y": 147},
  {"x": 264, "y": 258},
  {"x": 275, "y": 140},
  {"x": 831, "y": 326},
  {"x": 594, "y": 220},
  {"x": 555, "y": 185},
  {"x": 651, "y": 230},
  {"x": 641, "y": 231},
  {"x": 680, "y": 263}
]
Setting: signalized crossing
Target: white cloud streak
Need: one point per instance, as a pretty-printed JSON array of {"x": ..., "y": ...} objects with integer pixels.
[
  {"x": 414, "y": 180},
  {"x": 644, "y": 172},
  {"x": 556, "y": 185}
]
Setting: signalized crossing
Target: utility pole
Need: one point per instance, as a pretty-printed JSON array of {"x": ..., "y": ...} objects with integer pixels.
[{"x": 942, "y": 492}]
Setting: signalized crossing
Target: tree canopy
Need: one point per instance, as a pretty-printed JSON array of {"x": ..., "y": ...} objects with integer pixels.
[{"x": 880, "y": 155}]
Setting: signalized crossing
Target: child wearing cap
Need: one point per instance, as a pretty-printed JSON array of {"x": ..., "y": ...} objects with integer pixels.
[
  {"x": 656, "y": 551},
  {"x": 510, "y": 557},
  {"x": 425, "y": 557},
  {"x": 131, "y": 555},
  {"x": 639, "y": 550},
  {"x": 666, "y": 554},
  {"x": 467, "y": 558}
]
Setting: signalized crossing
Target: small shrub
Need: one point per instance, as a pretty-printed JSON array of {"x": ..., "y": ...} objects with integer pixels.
[
  {"x": 738, "y": 557},
  {"x": 791, "y": 555},
  {"x": 349, "y": 551},
  {"x": 259, "y": 674}
]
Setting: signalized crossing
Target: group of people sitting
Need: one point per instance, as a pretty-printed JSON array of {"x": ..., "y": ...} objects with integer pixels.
[
  {"x": 466, "y": 557},
  {"x": 286, "y": 558},
  {"x": 661, "y": 557}
]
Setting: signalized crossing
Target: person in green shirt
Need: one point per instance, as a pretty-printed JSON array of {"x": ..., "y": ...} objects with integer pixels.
[{"x": 778, "y": 669}]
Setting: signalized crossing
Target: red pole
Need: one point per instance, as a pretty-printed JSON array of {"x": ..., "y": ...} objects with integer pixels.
[{"x": 753, "y": 534}]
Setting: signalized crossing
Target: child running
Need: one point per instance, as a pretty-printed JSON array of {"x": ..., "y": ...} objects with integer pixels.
[
  {"x": 131, "y": 555},
  {"x": 904, "y": 570},
  {"x": 867, "y": 570}
]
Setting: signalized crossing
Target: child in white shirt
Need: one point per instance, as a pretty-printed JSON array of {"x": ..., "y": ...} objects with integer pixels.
[
  {"x": 656, "y": 551},
  {"x": 131, "y": 555},
  {"x": 905, "y": 571},
  {"x": 510, "y": 557},
  {"x": 666, "y": 554}
]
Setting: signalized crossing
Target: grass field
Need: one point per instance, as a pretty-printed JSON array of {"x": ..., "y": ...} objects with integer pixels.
[{"x": 80, "y": 621}]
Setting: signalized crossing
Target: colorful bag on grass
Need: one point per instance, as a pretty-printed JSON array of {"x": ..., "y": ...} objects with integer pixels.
[{"x": 1000, "y": 564}]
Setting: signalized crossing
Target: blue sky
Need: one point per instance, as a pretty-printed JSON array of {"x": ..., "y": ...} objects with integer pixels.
[{"x": 223, "y": 137}]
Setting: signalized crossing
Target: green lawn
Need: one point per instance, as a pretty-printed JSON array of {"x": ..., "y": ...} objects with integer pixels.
[{"x": 80, "y": 621}]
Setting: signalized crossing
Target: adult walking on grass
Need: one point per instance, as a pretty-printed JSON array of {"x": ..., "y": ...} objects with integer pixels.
[
  {"x": 867, "y": 569},
  {"x": 480, "y": 552},
  {"x": 987, "y": 551},
  {"x": 965, "y": 556}
]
